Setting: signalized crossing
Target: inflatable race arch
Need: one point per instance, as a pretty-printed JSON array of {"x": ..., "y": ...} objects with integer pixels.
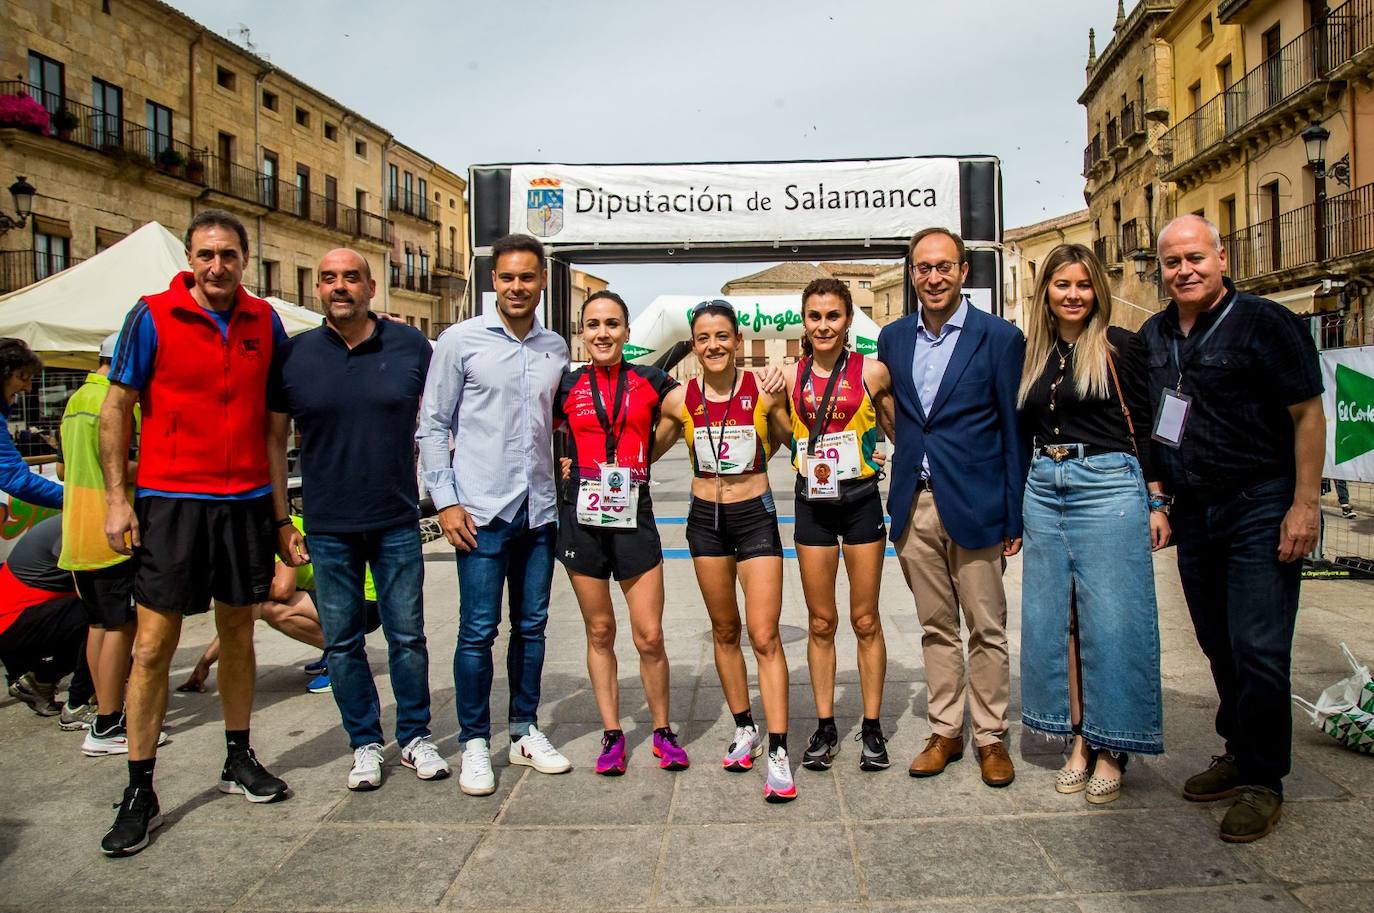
[{"x": 858, "y": 209}]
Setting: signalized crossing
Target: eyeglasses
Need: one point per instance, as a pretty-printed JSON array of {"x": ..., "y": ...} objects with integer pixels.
[
  {"x": 713, "y": 303},
  {"x": 944, "y": 268}
]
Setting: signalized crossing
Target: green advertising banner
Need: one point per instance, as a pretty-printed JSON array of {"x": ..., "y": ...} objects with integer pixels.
[{"x": 1348, "y": 401}]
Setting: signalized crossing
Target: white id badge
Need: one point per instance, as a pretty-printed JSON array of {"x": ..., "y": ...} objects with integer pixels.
[
  {"x": 615, "y": 486},
  {"x": 738, "y": 447},
  {"x": 593, "y": 511},
  {"x": 841, "y": 448},
  {"x": 821, "y": 481},
  {"x": 1171, "y": 417}
]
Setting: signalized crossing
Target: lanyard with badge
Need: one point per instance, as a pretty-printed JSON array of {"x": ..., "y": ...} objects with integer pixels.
[
  {"x": 822, "y": 472},
  {"x": 615, "y": 487},
  {"x": 718, "y": 448},
  {"x": 606, "y": 503},
  {"x": 1174, "y": 405}
]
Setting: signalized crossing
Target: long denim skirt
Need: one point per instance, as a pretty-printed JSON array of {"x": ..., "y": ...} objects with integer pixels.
[{"x": 1087, "y": 535}]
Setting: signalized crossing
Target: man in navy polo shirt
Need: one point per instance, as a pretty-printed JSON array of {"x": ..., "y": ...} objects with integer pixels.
[{"x": 353, "y": 387}]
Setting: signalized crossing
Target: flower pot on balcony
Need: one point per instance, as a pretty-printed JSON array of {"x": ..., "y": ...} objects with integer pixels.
[
  {"x": 65, "y": 123},
  {"x": 195, "y": 171},
  {"x": 171, "y": 162}
]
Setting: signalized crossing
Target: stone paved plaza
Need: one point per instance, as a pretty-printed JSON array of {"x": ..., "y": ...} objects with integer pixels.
[{"x": 702, "y": 839}]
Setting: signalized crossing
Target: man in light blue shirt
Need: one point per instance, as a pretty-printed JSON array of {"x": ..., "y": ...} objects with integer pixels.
[{"x": 490, "y": 388}]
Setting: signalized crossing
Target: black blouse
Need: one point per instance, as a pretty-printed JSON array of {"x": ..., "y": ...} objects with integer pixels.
[{"x": 1097, "y": 423}]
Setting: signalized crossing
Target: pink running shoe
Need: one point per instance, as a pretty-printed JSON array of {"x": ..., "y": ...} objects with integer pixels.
[
  {"x": 611, "y": 761},
  {"x": 671, "y": 755}
]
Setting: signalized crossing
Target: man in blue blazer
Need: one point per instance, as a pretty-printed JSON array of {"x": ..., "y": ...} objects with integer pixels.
[{"x": 958, "y": 475}]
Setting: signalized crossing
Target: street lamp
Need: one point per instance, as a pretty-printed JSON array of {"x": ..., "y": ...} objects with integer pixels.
[
  {"x": 1143, "y": 261},
  {"x": 23, "y": 192},
  {"x": 1314, "y": 143}
]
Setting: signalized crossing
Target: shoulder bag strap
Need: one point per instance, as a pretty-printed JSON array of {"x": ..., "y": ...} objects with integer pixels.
[{"x": 1116, "y": 382}]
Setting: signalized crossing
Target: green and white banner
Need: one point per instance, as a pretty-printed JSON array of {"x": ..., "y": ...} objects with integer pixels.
[
  {"x": 666, "y": 321},
  {"x": 1348, "y": 401}
]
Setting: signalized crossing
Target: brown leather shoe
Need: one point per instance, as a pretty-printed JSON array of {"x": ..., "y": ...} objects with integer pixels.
[
  {"x": 939, "y": 752},
  {"x": 996, "y": 764}
]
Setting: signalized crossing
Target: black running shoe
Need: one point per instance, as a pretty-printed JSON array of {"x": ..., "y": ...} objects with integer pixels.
[
  {"x": 821, "y": 750},
  {"x": 138, "y": 816},
  {"x": 243, "y": 774},
  {"x": 874, "y": 754}
]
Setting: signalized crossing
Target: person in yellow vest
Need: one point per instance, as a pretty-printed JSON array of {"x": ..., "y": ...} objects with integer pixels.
[
  {"x": 104, "y": 578},
  {"x": 290, "y": 609}
]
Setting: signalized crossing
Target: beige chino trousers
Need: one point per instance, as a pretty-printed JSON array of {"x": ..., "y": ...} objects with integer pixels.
[{"x": 945, "y": 577}]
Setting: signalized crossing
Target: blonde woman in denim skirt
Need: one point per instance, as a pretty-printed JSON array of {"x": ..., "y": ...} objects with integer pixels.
[{"x": 1089, "y": 622}]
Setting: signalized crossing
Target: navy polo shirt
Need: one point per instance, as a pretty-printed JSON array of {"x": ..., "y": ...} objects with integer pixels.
[{"x": 356, "y": 412}]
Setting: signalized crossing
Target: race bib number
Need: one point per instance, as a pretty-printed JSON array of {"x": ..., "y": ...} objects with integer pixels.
[
  {"x": 841, "y": 449},
  {"x": 592, "y": 510},
  {"x": 738, "y": 448}
]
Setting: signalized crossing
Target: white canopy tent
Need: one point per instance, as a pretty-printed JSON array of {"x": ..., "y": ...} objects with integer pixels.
[{"x": 65, "y": 317}]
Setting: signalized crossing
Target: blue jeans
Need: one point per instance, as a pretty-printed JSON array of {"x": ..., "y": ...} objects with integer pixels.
[
  {"x": 514, "y": 556},
  {"x": 398, "y": 570},
  {"x": 1087, "y": 542},
  {"x": 1244, "y": 604}
]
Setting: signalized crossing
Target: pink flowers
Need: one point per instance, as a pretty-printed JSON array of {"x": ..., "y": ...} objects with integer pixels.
[{"x": 21, "y": 110}]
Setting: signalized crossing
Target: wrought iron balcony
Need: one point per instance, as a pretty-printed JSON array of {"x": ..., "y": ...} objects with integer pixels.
[
  {"x": 1298, "y": 69},
  {"x": 1289, "y": 240},
  {"x": 412, "y": 203},
  {"x": 21, "y": 268}
]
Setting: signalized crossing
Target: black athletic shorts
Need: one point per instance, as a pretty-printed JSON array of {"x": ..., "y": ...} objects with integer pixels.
[
  {"x": 195, "y": 550},
  {"x": 107, "y": 594},
  {"x": 827, "y": 523},
  {"x": 606, "y": 553},
  {"x": 744, "y": 530}
]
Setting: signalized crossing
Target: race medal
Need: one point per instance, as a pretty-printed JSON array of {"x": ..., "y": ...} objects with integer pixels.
[
  {"x": 615, "y": 486},
  {"x": 1171, "y": 417},
  {"x": 841, "y": 448},
  {"x": 592, "y": 511},
  {"x": 737, "y": 447},
  {"x": 822, "y": 483}
]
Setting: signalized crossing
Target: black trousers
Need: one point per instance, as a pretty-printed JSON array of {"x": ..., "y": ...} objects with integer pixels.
[
  {"x": 49, "y": 640},
  {"x": 1244, "y": 604}
]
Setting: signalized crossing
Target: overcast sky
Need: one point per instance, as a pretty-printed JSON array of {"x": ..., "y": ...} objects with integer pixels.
[{"x": 648, "y": 81}]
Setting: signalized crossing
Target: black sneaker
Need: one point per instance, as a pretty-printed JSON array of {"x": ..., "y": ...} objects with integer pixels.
[
  {"x": 821, "y": 751},
  {"x": 243, "y": 774},
  {"x": 874, "y": 753},
  {"x": 138, "y": 817}
]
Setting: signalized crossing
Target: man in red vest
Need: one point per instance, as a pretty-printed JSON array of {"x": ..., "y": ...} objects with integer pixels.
[{"x": 201, "y": 527}]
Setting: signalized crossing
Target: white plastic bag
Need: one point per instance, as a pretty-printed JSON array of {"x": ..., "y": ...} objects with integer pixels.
[{"x": 1345, "y": 711}]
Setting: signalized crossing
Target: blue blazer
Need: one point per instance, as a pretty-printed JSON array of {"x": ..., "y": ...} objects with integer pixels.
[{"x": 977, "y": 464}]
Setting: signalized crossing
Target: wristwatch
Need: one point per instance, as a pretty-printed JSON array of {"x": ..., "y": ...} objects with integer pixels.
[
  {"x": 283, "y": 523},
  {"x": 1162, "y": 503}
]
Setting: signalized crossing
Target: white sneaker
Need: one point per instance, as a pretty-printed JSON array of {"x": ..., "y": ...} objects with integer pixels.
[
  {"x": 474, "y": 776},
  {"x": 114, "y": 742},
  {"x": 367, "y": 768},
  {"x": 535, "y": 750},
  {"x": 422, "y": 757}
]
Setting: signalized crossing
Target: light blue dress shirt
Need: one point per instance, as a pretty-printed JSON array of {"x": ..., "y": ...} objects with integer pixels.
[
  {"x": 493, "y": 393},
  {"x": 931, "y": 358}
]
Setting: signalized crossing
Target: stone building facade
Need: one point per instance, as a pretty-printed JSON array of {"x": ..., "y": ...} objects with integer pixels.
[
  {"x": 154, "y": 117},
  {"x": 1127, "y": 98}
]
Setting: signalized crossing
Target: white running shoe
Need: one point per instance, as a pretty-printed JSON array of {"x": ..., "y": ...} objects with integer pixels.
[
  {"x": 474, "y": 775},
  {"x": 778, "y": 787},
  {"x": 422, "y": 757},
  {"x": 116, "y": 741},
  {"x": 746, "y": 746},
  {"x": 367, "y": 768},
  {"x": 535, "y": 750}
]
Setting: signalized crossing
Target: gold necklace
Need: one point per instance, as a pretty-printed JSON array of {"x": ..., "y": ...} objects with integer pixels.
[{"x": 1064, "y": 355}]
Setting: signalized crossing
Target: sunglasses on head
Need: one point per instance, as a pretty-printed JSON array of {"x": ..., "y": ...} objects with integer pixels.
[{"x": 714, "y": 302}]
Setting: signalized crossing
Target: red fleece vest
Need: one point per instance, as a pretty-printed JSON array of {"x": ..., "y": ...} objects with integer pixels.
[{"x": 205, "y": 406}]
